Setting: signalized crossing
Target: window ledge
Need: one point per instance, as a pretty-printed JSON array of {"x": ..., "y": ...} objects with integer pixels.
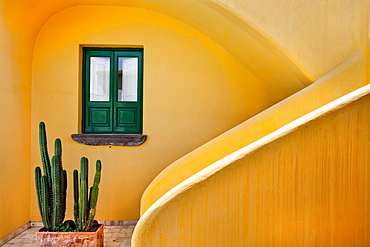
[{"x": 110, "y": 139}]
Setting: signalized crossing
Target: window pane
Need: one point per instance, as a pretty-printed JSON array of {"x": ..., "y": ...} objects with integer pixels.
[
  {"x": 127, "y": 78},
  {"x": 99, "y": 78}
]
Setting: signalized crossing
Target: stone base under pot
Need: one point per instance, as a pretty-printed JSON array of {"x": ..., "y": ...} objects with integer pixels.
[{"x": 69, "y": 239}]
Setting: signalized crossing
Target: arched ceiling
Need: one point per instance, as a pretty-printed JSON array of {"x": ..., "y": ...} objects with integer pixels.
[{"x": 279, "y": 74}]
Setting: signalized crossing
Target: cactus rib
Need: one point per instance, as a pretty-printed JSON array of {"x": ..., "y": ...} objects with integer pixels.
[
  {"x": 44, "y": 152},
  {"x": 51, "y": 187},
  {"x": 83, "y": 191},
  {"x": 85, "y": 203},
  {"x": 44, "y": 203},
  {"x": 76, "y": 197},
  {"x": 55, "y": 174}
]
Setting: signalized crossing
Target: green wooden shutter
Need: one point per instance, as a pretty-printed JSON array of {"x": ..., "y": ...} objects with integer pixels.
[
  {"x": 128, "y": 112},
  {"x": 108, "y": 111}
]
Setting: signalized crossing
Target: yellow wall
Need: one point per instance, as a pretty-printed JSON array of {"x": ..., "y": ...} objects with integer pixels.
[
  {"x": 336, "y": 57},
  {"x": 286, "y": 50},
  {"x": 213, "y": 18},
  {"x": 14, "y": 131},
  {"x": 306, "y": 185},
  {"x": 350, "y": 75},
  {"x": 193, "y": 91},
  {"x": 316, "y": 35}
]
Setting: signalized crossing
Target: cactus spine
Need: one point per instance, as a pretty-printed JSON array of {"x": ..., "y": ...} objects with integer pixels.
[
  {"x": 85, "y": 204},
  {"x": 51, "y": 187}
]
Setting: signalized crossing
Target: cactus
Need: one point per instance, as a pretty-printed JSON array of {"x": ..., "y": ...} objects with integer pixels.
[
  {"x": 51, "y": 188},
  {"x": 85, "y": 202}
]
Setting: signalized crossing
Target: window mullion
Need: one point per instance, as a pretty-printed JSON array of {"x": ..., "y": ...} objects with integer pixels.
[{"x": 113, "y": 94}]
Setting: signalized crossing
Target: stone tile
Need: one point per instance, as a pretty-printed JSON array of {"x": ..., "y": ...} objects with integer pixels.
[
  {"x": 14, "y": 241},
  {"x": 28, "y": 241},
  {"x": 119, "y": 239},
  {"x": 127, "y": 235},
  {"x": 20, "y": 235},
  {"x": 37, "y": 224},
  {"x": 126, "y": 243},
  {"x": 29, "y": 235},
  {"x": 32, "y": 230},
  {"x": 29, "y": 245},
  {"x": 114, "y": 236},
  {"x": 112, "y": 245},
  {"x": 115, "y": 230},
  {"x": 117, "y": 235}
]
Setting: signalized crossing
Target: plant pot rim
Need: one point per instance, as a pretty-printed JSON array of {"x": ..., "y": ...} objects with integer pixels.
[{"x": 72, "y": 233}]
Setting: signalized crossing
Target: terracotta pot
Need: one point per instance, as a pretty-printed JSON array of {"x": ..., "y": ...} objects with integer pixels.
[{"x": 65, "y": 239}]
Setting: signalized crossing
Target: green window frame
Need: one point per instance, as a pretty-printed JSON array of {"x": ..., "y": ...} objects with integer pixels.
[{"x": 112, "y": 90}]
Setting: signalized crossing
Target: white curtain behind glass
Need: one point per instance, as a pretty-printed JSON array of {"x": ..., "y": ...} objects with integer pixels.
[
  {"x": 99, "y": 78},
  {"x": 128, "y": 69}
]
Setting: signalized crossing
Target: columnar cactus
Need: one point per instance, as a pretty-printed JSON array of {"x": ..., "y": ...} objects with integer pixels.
[
  {"x": 85, "y": 203},
  {"x": 51, "y": 188}
]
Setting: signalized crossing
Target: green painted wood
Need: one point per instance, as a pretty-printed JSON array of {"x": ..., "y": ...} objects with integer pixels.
[{"x": 112, "y": 116}]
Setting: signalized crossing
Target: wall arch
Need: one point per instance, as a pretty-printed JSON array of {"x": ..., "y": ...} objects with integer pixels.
[
  {"x": 193, "y": 91},
  {"x": 213, "y": 18}
]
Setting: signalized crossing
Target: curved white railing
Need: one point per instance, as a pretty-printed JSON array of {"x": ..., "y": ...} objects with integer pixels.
[{"x": 152, "y": 217}]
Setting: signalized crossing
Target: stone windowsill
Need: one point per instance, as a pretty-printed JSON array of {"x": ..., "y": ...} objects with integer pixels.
[{"x": 110, "y": 139}]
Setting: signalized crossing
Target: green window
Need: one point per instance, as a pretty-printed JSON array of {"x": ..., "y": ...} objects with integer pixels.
[{"x": 112, "y": 90}]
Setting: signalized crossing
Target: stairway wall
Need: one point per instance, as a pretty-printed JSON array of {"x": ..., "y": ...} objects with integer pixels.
[
  {"x": 347, "y": 77},
  {"x": 309, "y": 187}
]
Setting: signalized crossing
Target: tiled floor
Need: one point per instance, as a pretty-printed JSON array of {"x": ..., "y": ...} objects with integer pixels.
[{"x": 113, "y": 236}]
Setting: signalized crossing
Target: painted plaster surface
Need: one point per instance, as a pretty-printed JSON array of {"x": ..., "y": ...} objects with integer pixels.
[
  {"x": 317, "y": 35},
  {"x": 264, "y": 51},
  {"x": 304, "y": 185},
  {"x": 342, "y": 80},
  {"x": 15, "y": 136},
  {"x": 193, "y": 90},
  {"x": 233, "y": 33}
]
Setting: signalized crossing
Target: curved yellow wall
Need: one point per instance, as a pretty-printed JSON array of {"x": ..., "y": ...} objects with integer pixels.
[
  {"x": 193, "y": 91},
  {"x": 304, "y": 185},
  {"x": 287, "y": 45},
  {"x": 286, "y": 50},
  {"x": 316, "y": 35},
  {"x": 226, "y": 27},
  {"x": 338, "y": 54},
  {"x": 350, "y": 75}
]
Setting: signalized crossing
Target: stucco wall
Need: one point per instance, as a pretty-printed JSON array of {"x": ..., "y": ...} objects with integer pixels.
[
  {"x": 288, "y": 44},
  {"x": 334, "y": 53},
  {"x": 304, "y": 185},
  {"x": 316, "y": 35},
  {"x": 193, "y": 91},
  {"x": 14, "y": 132},
  {"x": 347, "y": 77}
]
